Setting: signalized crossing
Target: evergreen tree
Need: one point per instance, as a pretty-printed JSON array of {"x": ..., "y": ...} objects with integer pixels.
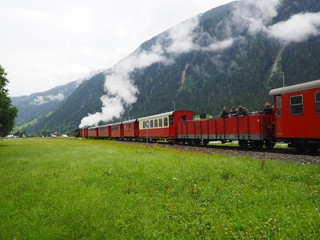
[{"x": 7, "y": 112}]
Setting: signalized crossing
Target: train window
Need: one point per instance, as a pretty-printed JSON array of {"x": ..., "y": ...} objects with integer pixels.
[
  {"x": 160, "y": 122},
  {"x": 183, "y": 118},
  {"x": 279, "y": 106},
  {"x": 151, "y": 123},
  {"x": 296, "y": 105},
  {"x": 144, "y": 124},
  {"x": 317, "y": 102},
  {"x": 171, "y": 120},
  {"x": 165, "y": 122},
  {"x": 156, "y": 123}
]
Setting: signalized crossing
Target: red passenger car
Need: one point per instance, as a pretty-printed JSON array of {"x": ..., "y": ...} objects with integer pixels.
[
  {"x": 131, "y": 129},
  {"x": 116, "y": 130},
  {"x": 162, "y": 126},
  {"x": 297, "y": 115},
  {"x": 93, "y": 132},
  {"x": 84, "y": 132},
  {"x": 104, "y": 131}
]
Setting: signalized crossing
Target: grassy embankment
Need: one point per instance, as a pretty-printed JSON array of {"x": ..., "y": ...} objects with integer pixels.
[{"x": 80, "y": 189}]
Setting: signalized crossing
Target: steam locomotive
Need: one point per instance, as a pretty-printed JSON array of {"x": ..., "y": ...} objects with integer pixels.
[{"x": 295, "y": 120}]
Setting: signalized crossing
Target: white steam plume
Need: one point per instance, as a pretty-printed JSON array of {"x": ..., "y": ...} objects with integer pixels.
[
  {"x": 298, "y": 28},
  {"x": 119, "y": 87}
]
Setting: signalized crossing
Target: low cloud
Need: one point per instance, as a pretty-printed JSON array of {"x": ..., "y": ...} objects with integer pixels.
[
  {"x": 220, "y": 45},
  {"x": 182, "y": 37},
  {"x": 50, "y": 98},
  {"x": 254, "y": 15},
  {"x": 298, "y": 28}
]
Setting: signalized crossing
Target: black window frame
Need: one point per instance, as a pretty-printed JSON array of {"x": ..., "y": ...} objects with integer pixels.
[
  {"x": 295, "y": 105},
  {"x": 165, "y": 122},
  {"x": 171, "y": 120},
  {"x": 317, "y": 103},
  {"x": 279, "y": 106},
  {"x": 160, "y": 122}
]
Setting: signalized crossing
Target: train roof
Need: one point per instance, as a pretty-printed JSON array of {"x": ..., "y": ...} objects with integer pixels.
[
  {"x": 129, "y": 121},
  {"x": 114, "y": 124},
  {"x": 106, "y": 125},
  {"x": 156, "y": 116},
  {"x": 295, "y": 88}
]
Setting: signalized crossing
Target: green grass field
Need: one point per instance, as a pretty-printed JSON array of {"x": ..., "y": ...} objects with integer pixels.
[{"x": 83, "y": 189}]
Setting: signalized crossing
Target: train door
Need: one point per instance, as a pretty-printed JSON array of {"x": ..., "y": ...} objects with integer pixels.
[
  {"x": 278, "y": 117},
  {"x": 172, "y": 129}
]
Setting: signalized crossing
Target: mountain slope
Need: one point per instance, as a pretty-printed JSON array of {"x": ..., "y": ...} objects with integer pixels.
[
  {"x": 85, "y": 99},
  {"x": 41, "y": 104},
  {"x": 228, "y": 56}
]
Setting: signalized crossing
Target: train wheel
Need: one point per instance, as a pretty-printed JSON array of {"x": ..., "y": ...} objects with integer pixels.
[
  {"x": 196, "y": 142},
  {"x": 256, "y": 144},
  {"x": 313, "y": 148},
  {"x": 300, "y": 147},
  {"x": 259, "y": 144},
  {"x": 205, "y": 142},
  {"x": 269, "y": 144},
  {"x": 243, "y": 143}
]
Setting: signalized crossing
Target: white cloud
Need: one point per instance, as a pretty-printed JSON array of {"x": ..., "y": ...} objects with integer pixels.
[
  {"x": 218, "y": 46},
  {"x": 50, "y": 98},
  {"x": 298, "y": 28},
  {"x": 50, "y": 43},
  {"x": 182, "y": 36},
  {"x": 254, "y": 15}
]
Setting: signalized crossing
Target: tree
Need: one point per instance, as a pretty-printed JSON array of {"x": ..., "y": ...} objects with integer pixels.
[{"x": 7, "y": 112}]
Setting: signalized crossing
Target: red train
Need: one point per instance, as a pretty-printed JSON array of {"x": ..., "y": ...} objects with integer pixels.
[{"x": 295, "y": 120}]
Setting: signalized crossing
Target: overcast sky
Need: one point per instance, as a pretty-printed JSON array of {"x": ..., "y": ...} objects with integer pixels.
[{"x": 45, "y": 43}]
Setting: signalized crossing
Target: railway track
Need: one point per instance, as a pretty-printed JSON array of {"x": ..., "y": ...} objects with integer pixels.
[{"x": 279, "y": 154}]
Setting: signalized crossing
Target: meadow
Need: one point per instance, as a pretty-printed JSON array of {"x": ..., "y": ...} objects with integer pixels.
[{"x": 85, "y": 189}]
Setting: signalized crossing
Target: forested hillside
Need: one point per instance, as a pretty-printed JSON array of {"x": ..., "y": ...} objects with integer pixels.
[
  {"x": 240, "y": 75},
  {"x": 38, "y": 106},
  {"x": 230, "y": 63},
  {"x": 85, "y": 99}
]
